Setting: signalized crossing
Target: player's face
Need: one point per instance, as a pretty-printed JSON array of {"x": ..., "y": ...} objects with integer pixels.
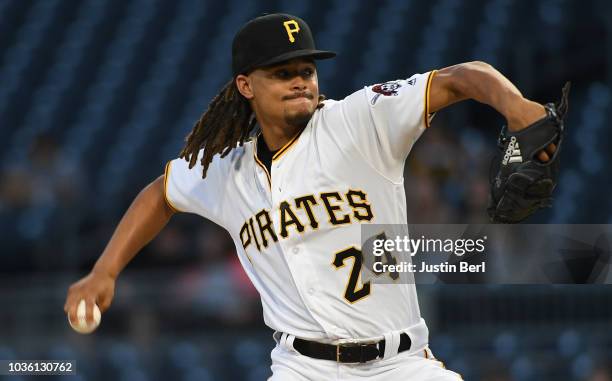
[{"x": 285, "y": 93}]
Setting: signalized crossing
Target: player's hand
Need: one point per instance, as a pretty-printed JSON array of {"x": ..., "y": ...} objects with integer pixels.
[
  {"x": 547, "y": 153},
  {"x": 97, "y": 287},
  {"x": 519, "y": 184},
  {"x": 525, "y": 113}
]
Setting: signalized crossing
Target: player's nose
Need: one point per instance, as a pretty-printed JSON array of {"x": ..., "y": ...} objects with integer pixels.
[{"x": 298, "y": 83}]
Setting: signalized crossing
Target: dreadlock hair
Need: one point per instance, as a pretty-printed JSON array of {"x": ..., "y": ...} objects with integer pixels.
[{"x": 228, "y": 121}]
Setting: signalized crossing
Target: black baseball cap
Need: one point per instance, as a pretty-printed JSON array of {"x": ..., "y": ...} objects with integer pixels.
[{"x": 272, "y": 39}]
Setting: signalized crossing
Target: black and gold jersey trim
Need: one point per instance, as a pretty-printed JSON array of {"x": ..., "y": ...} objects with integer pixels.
[
  {"x": 166, "y": 176},
  {"x": 259, "y": 161},
  {"x": 289, "y": 144},
  {"x": 426, "y": 116}
]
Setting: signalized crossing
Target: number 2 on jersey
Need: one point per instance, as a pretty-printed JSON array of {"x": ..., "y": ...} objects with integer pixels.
[{"x": 352, "y": 294}]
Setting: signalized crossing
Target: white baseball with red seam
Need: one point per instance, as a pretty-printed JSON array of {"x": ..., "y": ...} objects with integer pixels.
[{"x": 81, "y": 325}]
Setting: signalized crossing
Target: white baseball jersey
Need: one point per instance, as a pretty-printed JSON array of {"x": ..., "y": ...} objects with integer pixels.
[{"x": 297, "y": 229}]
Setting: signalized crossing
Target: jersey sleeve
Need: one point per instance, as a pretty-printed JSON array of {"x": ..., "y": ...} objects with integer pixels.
[
  {"x": 186, "y": 191},
  {"x": 385, "y": 120}
]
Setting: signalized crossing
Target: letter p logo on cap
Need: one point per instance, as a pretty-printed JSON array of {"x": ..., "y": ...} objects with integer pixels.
[{"x": 292, "y": 27}]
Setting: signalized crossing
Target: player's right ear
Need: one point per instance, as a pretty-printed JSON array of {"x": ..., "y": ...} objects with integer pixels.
[{"x": 243, "y": 83}]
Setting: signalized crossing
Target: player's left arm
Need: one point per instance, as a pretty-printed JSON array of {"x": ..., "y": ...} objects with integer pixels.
[{"x": 483, "y": 83}]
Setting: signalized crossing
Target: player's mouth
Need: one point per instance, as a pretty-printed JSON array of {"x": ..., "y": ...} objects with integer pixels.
[{"x": 299, "y": 96}]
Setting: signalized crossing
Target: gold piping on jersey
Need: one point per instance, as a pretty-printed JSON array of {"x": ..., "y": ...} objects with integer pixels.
[
  {"x": 166, "y": 175},
  {"x": 429, "y": 78},
  {"x": 260, "y": 163},
  {"x": 287, "y": 145}
]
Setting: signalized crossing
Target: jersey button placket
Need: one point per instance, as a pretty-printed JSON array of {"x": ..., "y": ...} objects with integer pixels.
[
  {"x": 276, "y": 186},
  {"x": 262, "y": 182},
  {"x": 299, "y": 265}
]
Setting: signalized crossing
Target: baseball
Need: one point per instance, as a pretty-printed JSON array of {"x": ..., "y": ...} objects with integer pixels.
[{"x": 81, "y": 325}]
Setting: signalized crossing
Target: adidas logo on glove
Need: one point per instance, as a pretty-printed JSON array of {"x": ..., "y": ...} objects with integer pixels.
[{"x": 513, "y": 153}]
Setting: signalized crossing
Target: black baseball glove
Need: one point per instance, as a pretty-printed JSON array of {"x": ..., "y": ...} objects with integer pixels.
[{"x": 520, "y": 182}]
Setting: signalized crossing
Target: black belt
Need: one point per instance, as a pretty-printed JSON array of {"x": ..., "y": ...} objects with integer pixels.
[{"x": 347, "y": 352}]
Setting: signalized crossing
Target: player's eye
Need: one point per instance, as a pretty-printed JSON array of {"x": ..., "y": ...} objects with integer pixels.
[
  {"x": 282, "y": 74},
  {"x": 308, "y": 72}
]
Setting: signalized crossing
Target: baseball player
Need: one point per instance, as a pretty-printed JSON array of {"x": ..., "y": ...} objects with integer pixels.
[{"x": 292, "y": 177}]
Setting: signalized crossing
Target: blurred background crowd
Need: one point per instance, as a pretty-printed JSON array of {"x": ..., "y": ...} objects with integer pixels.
[{"x": 97, "y": 95}]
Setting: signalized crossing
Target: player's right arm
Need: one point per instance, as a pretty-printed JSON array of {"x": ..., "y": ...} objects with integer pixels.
[
  {"x": 483, "y": 83},
  {"x": 144, "y": 219}
]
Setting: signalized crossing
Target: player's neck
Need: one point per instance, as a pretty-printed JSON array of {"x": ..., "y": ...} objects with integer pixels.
[{"x": 276, "y": 136}]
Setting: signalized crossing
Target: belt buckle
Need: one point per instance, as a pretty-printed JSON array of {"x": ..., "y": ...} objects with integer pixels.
[{"x": 352, "y": 344}]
